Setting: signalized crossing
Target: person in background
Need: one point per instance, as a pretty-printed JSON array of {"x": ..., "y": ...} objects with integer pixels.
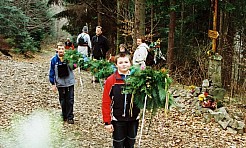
[
  {"x": 120, "y": 113},
  {"x": 84, "y": 42},
  {"x": 62, "y": 79},
  {"x": 140, "y": 54},
  {"x": 69, "y": 44},
  {"x": 123, "y": 49},
  {"x": 99, "y": 45}
]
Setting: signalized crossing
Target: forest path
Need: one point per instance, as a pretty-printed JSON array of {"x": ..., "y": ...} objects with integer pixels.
[{"x": 25, "y": 88}]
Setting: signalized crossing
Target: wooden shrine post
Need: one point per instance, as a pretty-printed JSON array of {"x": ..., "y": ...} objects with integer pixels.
[{"x": 214, "y": 70}]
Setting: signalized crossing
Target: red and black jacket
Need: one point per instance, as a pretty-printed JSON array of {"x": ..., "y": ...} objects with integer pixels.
[{"x": 116, "y": 104}]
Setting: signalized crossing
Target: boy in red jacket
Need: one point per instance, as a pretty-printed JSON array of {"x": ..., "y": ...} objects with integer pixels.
[{"x": 119, "y": 118}]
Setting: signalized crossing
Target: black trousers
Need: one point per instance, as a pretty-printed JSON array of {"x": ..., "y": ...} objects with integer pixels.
[
  {"x": 99, "y": 57},
  {"x": 125, "y": 133},
  {"x": 66, "y": 98}
]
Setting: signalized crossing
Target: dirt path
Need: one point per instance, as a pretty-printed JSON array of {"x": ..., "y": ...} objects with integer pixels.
[{"x": 24, "y": 88}]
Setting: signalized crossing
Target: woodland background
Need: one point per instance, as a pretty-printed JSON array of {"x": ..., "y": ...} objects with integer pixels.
[{"x": 181, "y": 25}]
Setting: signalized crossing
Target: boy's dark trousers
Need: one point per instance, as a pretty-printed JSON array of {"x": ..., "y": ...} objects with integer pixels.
[
  {"x": 66, "y": 98},
  {"x": 124, "y": 134}
]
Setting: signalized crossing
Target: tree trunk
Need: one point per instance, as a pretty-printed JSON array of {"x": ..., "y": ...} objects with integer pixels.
[
  {"x": 227, "y": 52},
  {"x": 220, "y": 41},
  {"x": 152, "y": 23},
  {"x": 181, "y": 38},
  {"x": 172, "y": 23},
  {"x": 118, "y": 25},
  {"x": 139, "y": 28},
  {"x": 99, "y": 17}
]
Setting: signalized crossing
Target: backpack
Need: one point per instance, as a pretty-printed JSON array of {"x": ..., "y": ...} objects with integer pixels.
[
  {"x": 82, "y": 41},
  {"x": 150, "y": 58},
  {"x": 63, "y": 70}
]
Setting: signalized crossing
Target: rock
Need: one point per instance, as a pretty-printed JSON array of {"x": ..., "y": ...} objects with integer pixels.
[
  {"x": 182, "y": 94},
  {"x": 222, "y": 110},
  {"x": 175, "y": 94},
  {"x": 231, "y": 131},
  {"x": 234, "y": 124},
  {"x": 207, "y": 117},
  {"x": 237, "y": 118},
  {"x": 198, "y": 113},
  {"x": 195, "y": 102},
  {"x": 227, "y": 117},
  {"x": 197, "y": 91},
  {"x": 182, "y": 110},
  {"x": 224, "y": 124},
  {"x": 188, "y": 96},
  {"x": 206, "y": 110},
  {"x": 241, "y": 125},
  {"x": 217, "y": 116},
  {"x": 180, "y": 106},
  {"x": 181, "y": 100},
  {"x": 240, "y": 131}
]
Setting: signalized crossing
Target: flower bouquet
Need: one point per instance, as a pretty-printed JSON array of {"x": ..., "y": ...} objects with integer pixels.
[
  {"x": 101, "y": 69},
  {"x": 72, "y": 57},
  {"x": 152, "y": 84}
]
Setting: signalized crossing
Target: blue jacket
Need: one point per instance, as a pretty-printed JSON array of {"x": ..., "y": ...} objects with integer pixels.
[{"x": 53, "y": 74}]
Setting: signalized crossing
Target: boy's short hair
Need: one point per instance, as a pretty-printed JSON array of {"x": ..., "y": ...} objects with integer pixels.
[
  {"x": 59, "y": 44},
  {"x": 120, "y": 55}
]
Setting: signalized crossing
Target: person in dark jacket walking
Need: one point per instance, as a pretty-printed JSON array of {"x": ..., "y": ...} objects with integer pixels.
[
  {"x": 120, "y": 114},
  {"x": 99, "y": 45},
  {"x": 62, "y": 79}
]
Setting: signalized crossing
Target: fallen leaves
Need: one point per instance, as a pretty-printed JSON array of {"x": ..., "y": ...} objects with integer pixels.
[{"x": 24, "y": 88}]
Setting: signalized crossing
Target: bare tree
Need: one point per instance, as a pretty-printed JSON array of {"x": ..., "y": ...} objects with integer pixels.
[{"x": 172, "y": 23}]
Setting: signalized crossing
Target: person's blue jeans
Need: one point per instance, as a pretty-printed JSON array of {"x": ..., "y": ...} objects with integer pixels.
[
  {"x": 124, "y": 134},
  {"x": 66, "y": 98}
]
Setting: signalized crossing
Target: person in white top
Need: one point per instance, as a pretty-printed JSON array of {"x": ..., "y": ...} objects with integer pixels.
[
  {"x": 86, "y": 45},
  {"x": 140, "y": 53}
]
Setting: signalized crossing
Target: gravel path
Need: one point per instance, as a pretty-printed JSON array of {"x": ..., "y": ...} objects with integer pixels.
[{"x": 24, "y": 89}]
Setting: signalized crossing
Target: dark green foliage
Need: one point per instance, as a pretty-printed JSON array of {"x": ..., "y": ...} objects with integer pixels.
[
  {"x": 23, "y": 43},
  {"x": 78, "y": 15},
  {"x": 27, "y": 23},
  {"x": 73, "y": 57},
  {"x": 81, "y": 13},
  {"x": 101, "y": 68},
  {"x": 153, "y": 83},
  {"x": 11, "y": 18}
]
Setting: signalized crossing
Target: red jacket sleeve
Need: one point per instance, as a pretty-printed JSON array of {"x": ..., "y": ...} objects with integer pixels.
[{"x": 106, "y": 100}]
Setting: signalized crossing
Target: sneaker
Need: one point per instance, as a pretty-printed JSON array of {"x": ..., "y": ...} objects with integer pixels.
[{"x": 70, "y": 121}]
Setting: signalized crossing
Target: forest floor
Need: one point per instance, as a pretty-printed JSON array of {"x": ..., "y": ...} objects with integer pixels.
[{"x": 25, "y": 90}]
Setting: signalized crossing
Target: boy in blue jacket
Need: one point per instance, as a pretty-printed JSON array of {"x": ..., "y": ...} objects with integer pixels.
[{"x": 62, "y": 79}]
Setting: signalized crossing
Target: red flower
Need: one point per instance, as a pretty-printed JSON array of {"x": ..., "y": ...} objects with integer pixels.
[{"x": 75, "y": 65}]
